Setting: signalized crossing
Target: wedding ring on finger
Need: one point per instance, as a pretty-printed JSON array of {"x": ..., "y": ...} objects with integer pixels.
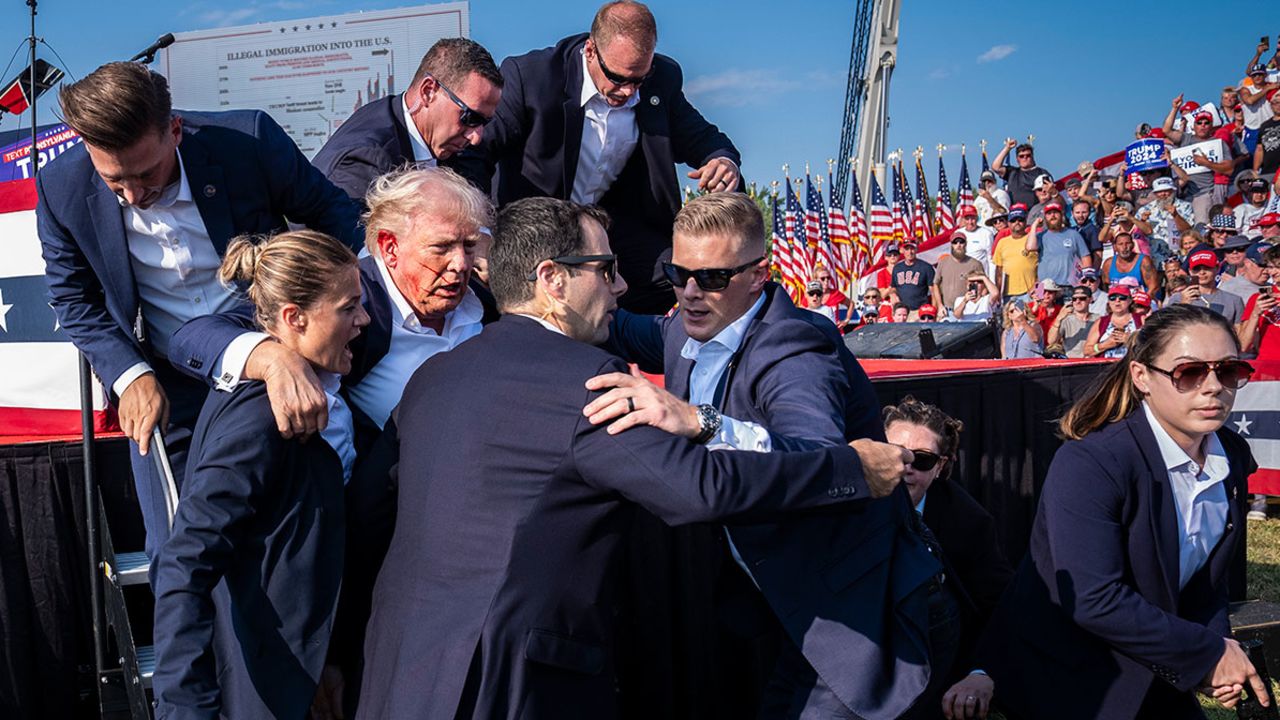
[{"x": 631, "y": 405}]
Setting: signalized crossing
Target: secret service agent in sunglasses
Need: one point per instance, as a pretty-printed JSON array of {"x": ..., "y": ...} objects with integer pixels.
[
  {"x": 1188, "y": 376},
  {"x": 615, "y": 78},
  {"x": 468, "y": 117},
  {"x": 709, "y": 279},
  {"x": 608, "y": 265}
]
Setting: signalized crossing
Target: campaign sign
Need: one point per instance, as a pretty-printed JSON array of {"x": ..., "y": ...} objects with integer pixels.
[
  {"x": 15, "y": 158},
  {"x": 1145, "y": 154},
  {"x": 1188, "y": 119},
  {"x": 1183, "y": 157}
]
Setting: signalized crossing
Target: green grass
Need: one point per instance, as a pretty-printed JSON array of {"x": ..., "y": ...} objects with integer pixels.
[{"x": 1264, "y": 584}]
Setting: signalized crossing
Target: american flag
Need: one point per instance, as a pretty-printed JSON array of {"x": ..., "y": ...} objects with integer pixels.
[
  {"x": 986, "y": 164},
  {"x": 942, "y": 214},
  {"x": 820, "y": 240},
  {"x": 1256, "y": 416},
  {"x": 881, "y": 224},
  {"x": 39, "y": 367},
  {"x": 782, "y": 251},
  {"x": 796, "y": 237},
  {"x": 901, "y": 224},
  {"x": 923, "y": 224},
  {"x": 858, "y": 231},
  {"x": 966, "y": 188},
  {"x": 841, "y": 244},
  {"x": 908, "y": 207}
]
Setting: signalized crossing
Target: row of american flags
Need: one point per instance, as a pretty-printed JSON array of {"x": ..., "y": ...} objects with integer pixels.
[{"x": 809, "y": 230}]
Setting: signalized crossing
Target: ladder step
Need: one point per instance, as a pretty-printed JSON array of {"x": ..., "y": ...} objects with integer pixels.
[
  {"x": 132, "y": 568},
  {"x": 146, "y": 663}
]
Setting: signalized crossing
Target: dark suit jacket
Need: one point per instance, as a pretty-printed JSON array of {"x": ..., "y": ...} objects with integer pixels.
[
  {"x": 246, "y": 176},
  {"x": 839, "y": 583},
  {"x": 535, "y": 137},
  {"x": 247, "y": 584},
  {"x": 1094, "y": 615},
  {"x": 373, "y": 141},
  {"x": 497, "y": 597},
  {"x": 967, "y": 534}
]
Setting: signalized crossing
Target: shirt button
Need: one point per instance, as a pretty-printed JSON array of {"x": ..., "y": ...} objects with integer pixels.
[{"x": 195, "y": 300}]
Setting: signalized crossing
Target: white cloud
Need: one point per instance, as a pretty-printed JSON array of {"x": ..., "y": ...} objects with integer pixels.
[
  {"x": 997, "y": 52},
  {"x": 737, "y": 87},
  {"x": 222, "y": 17},
  {"x": 939, "y": 74}
]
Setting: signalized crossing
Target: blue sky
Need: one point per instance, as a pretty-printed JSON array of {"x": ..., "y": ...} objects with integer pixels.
[{"x": 772, "y": 75}]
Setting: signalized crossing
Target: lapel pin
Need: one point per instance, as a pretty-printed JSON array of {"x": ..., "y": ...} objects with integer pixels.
[
  {"x": 653, "y": 100},
  {"x": 210, "y": 191}
]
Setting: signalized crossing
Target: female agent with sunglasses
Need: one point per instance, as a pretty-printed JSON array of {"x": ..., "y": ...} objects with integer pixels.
[
  {"x": 1119, "y": 609},
  {"x": 964, "y": 529}
]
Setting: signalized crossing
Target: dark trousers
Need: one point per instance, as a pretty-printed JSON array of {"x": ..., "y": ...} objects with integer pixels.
[
  {"x": 186, "y": 397},
  {"x": 796, "y": 692}
]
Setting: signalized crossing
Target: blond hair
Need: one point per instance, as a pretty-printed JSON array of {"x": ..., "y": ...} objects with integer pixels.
[
  {"x": 731, "y": 214},
  {"x": 299, "y": 267},
  {"x": 627, "y": 19},
  {"x": 401, "y": 198}
]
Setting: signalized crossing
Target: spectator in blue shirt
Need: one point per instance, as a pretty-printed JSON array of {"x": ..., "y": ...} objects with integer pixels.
[
  {"x": 1060, "y": 248},
  {"x": 912, "y": 277},
  {"x": 1082, "y": 220}
]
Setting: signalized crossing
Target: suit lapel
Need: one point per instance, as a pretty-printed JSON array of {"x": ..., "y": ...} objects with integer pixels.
[
  {"x": 573, "y": 117},
  {"x": 1164, "y": 513},
  {"x": 209, "y": 191},
  {"x": 108, "y": 223},
  {"x": 405, "y": 145}
]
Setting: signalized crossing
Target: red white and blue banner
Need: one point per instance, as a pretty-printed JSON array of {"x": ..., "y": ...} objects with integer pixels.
[
  {"x": 1256, "y": 416},
  {"x": 15, "y": 149},
  {"x": 39, "y": 368}
]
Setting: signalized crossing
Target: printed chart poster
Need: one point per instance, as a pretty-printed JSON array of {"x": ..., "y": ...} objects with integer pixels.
[{"x": 310, "y": 75}]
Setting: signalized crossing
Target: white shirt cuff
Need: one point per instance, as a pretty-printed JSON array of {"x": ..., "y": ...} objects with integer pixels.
[
  {"x": 740, "y": 435},
  {"x": 127, "y": 377},
  {"x": 231, "y": 363}
]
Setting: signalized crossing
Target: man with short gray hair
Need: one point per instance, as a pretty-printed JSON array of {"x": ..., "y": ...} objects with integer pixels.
[{"x": 450, "y": 100}]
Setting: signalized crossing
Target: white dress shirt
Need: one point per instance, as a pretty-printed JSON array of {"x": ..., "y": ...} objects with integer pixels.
[
  {"x": 1200, "y": 497},
  {"x": 609, "y": 135},
  {"x": 711, "y": 360},
  {"x": 175, "y": 270},
  {"x": 340, "y": 432},
  {"x": 422, "y": 155},
  {"x": 379, "y": 391}
]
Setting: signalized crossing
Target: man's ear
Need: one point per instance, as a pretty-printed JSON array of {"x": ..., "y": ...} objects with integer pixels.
[
  {"x": 389, "y": 248},
  {"x": 550, "y": 277}
]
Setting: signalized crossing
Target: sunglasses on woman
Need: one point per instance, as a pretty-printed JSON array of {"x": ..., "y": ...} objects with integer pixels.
[
  {"x": 709, "y": 279},
  {"x": 1118, "y": 296},
  {"x": 925, "y": 460},
  {"x": 1188, "y": 376}
]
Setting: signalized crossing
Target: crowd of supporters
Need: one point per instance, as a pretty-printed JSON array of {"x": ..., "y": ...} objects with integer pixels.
[{"x": 1070, "y": 268}]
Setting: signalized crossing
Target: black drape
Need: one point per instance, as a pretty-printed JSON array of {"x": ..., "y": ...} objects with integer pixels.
[{"x": 46, "y": 636}]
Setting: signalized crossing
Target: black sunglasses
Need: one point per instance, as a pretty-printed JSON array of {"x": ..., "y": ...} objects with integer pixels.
[
  {"x": 467, "y": 117},
  {"x": 1078, "y": 298},
  {"x": 924, "y": 460},
  {"x": 608, "y": 265},
  {"x": 814, "y": 292},
  {"x": 1118, "y": 296},
  {"x": 1189, "y": 376},
  {"x": 615, "y": 78},
  {"x": 1089, "y": 279},
  {"x": 709, "y": 279}
]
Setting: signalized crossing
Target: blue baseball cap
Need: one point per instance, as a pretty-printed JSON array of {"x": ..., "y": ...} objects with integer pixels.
[{"x": 1255, "y": 252}]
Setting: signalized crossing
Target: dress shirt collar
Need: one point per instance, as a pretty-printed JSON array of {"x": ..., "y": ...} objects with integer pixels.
[
  {"x": 1216, "y": 467},
  {"x": 177, "y": 192},
  {"x": 544, "y": 323},
  {"x": 729, "y": 338},
  {"x": 330, "y": 382},
  {"x": 468, "y": 311},
  {"x": 421, "y": 151},
  {"x": 589, "y": 89}
]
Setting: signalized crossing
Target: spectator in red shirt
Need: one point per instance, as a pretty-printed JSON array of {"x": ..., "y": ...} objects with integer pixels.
[
  {"x": 1261, "y": 313},
  {"x": 1046, "y": 305},
  {"x": 884, "y": 276}
]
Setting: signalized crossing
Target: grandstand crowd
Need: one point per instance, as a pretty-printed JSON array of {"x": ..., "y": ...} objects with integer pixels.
[{"x": 1070, "y": 267}]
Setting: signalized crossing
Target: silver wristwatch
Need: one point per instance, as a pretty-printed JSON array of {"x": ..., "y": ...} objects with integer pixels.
[{"x": 709, "y": 418}]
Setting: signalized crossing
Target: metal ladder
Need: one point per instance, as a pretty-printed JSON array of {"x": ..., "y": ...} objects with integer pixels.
[{"x": 121, "y": 581}]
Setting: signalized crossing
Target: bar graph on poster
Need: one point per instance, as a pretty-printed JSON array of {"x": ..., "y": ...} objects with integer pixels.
[{"x": 310, "y": 75}]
